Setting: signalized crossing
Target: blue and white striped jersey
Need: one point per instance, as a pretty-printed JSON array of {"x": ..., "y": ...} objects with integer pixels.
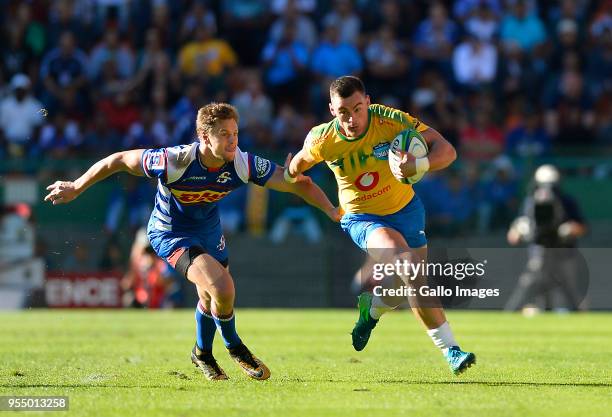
[{"x": 187, "y": 191}]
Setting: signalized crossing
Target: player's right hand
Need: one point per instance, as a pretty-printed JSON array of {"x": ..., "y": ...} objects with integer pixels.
[{"x": 61, "y": 192}]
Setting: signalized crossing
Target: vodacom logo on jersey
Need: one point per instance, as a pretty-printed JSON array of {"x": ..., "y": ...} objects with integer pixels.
[{"x": 367, "y": 181}]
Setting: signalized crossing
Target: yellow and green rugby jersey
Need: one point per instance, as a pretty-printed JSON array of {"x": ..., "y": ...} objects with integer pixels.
[{"x": 365, "y": 182}]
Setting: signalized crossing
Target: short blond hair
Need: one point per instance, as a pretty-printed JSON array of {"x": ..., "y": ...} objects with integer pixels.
[{"x": 210, "y": 114}]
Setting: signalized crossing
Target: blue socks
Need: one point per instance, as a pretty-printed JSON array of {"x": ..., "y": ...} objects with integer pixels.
[
  {"x": 205, "y": 329},
  {"x": 227, "y": 329}
]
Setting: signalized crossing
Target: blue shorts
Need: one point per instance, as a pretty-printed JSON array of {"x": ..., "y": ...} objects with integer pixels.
[
  {"x": 409, "y": 222},
  {"x": 167, "y": 244}
]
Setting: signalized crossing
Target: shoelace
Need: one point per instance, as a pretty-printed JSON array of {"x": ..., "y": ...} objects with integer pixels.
[
  {"x": 454, "y": 354},
  {"x": 245, "y": 355},
  {"x": 212, "y": 362}
]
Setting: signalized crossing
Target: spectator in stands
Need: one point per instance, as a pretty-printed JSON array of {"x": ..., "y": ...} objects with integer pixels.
[
  {"x": 603, "y": 120},
  {"x": 255, "y": 108},
  {"x": 599, "y": 65},
  {"x": 481, "y": 140},
  {"x": 302, "y": 6},
  {"x": 499, "y": 202},
  {"x": 483, "y": 21},
  {"x": 198, "y": 15},
  {"x": 289, "y": 128},
  {"x": 132, "y": 197},
  {"x": 331, "y": 59},
  {"x": 387, "y": 63},
  {"x": 436, "y": 105},
  {"x": 344, "y": 18},
  {"x": 573, "y": 10},
  {"x": 393, "y": 14},
  {"x": 59, "y": 137},
  {"x": 32, "y": 31},
  {"x": 120, "y": 111},
  {"x": 285, "y": 62},
  {"x": 433, "y": 41},
  {"x": 464, "y": 10},
  {"x": 159, "y": 104},
  {"x": 529, "y": 139},
  {"x": 110, "y": 83},
  {"x": 147, "y": 132},
  {"x": 149, "y": 53},
  {"x": 246, "y": 24},
  {"x": 62, "y": 19},
  {"x": 16, "y": 57},
  {"x": 523, "y": 28},
  {"x": 111, "y": 49},
  {"x": 100, "y": 139},
  {"x": 184, "y": 112},
  {"x": 165, "y": 26},
  {"x": 474, "y": 63},
  {"x": 158, "y": 74},
  {"x": 20, "y": 118},
  {"x": 568, "y": 42},
  {"x": 334, "y": 57},
  {"x": 207, "y": 58},
  {"x": 454, "y": 206},
  {"x": 63, "y": 71},
  {"x": 305, "y": 29},
  {"x": 569, "y": 115}
]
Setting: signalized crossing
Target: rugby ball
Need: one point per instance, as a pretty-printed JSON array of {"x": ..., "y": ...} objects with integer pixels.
[{"x": 410, "y": 141}]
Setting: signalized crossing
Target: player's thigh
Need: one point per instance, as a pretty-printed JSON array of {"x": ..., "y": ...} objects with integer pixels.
[
  {"x": 386, "y": 238},
  {"x": 211, "y": 276},
  {"x": 410, "y": 222},
  {"x": 386, "y": 244}
]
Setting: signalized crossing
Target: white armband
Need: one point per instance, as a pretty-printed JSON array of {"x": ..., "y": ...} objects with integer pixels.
[
  {"x": 288, "y": 177},
  {"x": 422, "y": 165}
]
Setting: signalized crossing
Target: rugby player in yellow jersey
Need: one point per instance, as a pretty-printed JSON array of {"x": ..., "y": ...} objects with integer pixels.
[{"x": 380, "y": 212}]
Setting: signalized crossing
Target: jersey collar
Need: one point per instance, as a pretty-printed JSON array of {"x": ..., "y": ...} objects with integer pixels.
[{"x": 204, "y": 167}]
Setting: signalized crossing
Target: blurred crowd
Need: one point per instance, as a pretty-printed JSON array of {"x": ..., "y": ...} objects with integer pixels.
[{"x": 504, "y": 80}]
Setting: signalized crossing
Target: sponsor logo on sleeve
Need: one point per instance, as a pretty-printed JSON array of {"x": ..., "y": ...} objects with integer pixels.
[
  {"x": 262, "y": 167},
  {"x": 381, "y": 151},
  {"x": 157, "y": 161}
]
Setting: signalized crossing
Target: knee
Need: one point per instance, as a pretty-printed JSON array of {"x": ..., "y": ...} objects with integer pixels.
[{"x": 222, "y": 290}]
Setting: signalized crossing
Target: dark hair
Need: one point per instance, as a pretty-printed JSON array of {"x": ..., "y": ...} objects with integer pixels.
[{"x": 345, "y": 86}]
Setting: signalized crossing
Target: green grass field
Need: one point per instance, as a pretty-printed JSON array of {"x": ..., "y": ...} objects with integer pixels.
[{"x": 129, "y": 363}]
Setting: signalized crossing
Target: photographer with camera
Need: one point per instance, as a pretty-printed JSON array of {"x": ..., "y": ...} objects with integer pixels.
[{"x": 551, "y": 225}]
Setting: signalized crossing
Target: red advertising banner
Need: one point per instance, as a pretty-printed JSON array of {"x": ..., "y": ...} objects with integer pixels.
[{"x": 99, "y": 289}]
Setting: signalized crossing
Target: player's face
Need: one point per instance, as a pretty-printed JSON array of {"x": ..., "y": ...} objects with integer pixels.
[
  {"x": 223, "y": 140},
  {"x": 352, "y": 112}
]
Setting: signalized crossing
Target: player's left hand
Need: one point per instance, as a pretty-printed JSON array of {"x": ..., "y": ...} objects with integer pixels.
[{"x": 404, "y": 166}]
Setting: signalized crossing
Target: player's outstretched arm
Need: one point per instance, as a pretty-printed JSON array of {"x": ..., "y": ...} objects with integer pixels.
[
  {"x": 61, "y": 192},
  {"x": 303, "y": 187}
]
